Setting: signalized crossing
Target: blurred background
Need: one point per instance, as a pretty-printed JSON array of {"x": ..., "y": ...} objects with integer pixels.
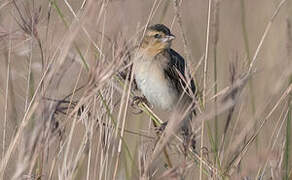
[{"x": 48, "y": 49}]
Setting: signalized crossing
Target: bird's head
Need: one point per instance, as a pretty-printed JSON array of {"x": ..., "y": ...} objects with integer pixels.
[{"x": 157, "y": 38}]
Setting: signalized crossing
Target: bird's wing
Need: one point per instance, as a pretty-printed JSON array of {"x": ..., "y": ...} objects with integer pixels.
[{"x": 176, "y": 72}]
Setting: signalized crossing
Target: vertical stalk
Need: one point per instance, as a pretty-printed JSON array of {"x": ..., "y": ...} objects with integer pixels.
[
  {"x": 215, "y": 42},
  {"x": 288, "y": 139},
  {"x": 205, "y": 82},
  {"x": 247, "y": 51},
  {"x": 288, "y": 120}
]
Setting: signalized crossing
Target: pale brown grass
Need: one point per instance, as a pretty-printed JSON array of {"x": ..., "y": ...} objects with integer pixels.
[{"x": 66, "y": 90}]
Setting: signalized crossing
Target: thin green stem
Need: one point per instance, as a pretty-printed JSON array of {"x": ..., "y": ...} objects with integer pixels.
[
  {"x": 288, "y": 139},
  {"x": 215, "y": 102}
]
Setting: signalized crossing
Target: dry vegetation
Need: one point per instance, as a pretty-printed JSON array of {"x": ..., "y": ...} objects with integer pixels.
[{"x": 66, "y": 106}]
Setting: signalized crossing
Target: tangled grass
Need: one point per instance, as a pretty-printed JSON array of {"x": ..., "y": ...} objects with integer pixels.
[{"x": 67, "y": 87}]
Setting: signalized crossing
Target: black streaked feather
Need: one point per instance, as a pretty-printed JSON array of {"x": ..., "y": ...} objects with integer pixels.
[
  {"x": 177, "y": 63},
  {"x": 175, "y": 66}
]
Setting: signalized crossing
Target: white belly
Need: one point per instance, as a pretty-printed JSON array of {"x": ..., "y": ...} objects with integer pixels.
[{"x": 151, "y": 81}]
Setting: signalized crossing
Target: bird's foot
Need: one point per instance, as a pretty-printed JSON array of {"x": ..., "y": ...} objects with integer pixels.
[
  {"x": 138, "y": 100},
  {"x": 161, "y": 128},
  {"x": 189, "y": 140}
]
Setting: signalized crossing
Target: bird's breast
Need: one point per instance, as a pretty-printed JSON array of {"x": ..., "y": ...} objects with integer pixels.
[{"x": 150, "y": 78}]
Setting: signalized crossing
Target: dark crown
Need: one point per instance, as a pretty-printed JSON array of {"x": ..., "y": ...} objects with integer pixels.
[{"x": 160, "y": 28}]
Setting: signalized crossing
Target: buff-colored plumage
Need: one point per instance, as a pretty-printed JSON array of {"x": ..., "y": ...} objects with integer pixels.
[
  {"x": 160, "y": 72},
  {"x": 151, "y": 80}
]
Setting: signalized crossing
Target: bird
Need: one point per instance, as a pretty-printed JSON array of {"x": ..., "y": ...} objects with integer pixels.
[{"x": 161, "y": 74}]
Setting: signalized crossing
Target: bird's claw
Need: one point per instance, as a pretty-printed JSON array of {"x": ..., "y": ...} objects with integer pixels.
[
  {"x": 188, "y": 141},
  {"x": 140, "y": 99},
  {"x": 161, "y": 128}
]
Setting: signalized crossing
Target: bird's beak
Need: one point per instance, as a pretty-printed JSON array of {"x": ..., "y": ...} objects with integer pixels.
[{"x": 168, "y": 38}]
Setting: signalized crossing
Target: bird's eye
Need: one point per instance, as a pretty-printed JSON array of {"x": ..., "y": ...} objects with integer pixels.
[{"x": 157, "y": 36}]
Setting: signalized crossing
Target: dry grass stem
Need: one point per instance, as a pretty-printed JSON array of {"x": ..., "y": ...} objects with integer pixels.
[{"x": 67, "y": 91}]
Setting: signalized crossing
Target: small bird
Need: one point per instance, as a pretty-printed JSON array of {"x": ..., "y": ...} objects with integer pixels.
[{"x": 160, "y": 74}]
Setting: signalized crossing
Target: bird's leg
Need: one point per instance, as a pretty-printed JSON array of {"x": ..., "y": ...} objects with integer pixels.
[
  {"x": 185, "y": 132},
  {"x": 193, "y": 142},
  {"x": 188, "y": 138}
]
